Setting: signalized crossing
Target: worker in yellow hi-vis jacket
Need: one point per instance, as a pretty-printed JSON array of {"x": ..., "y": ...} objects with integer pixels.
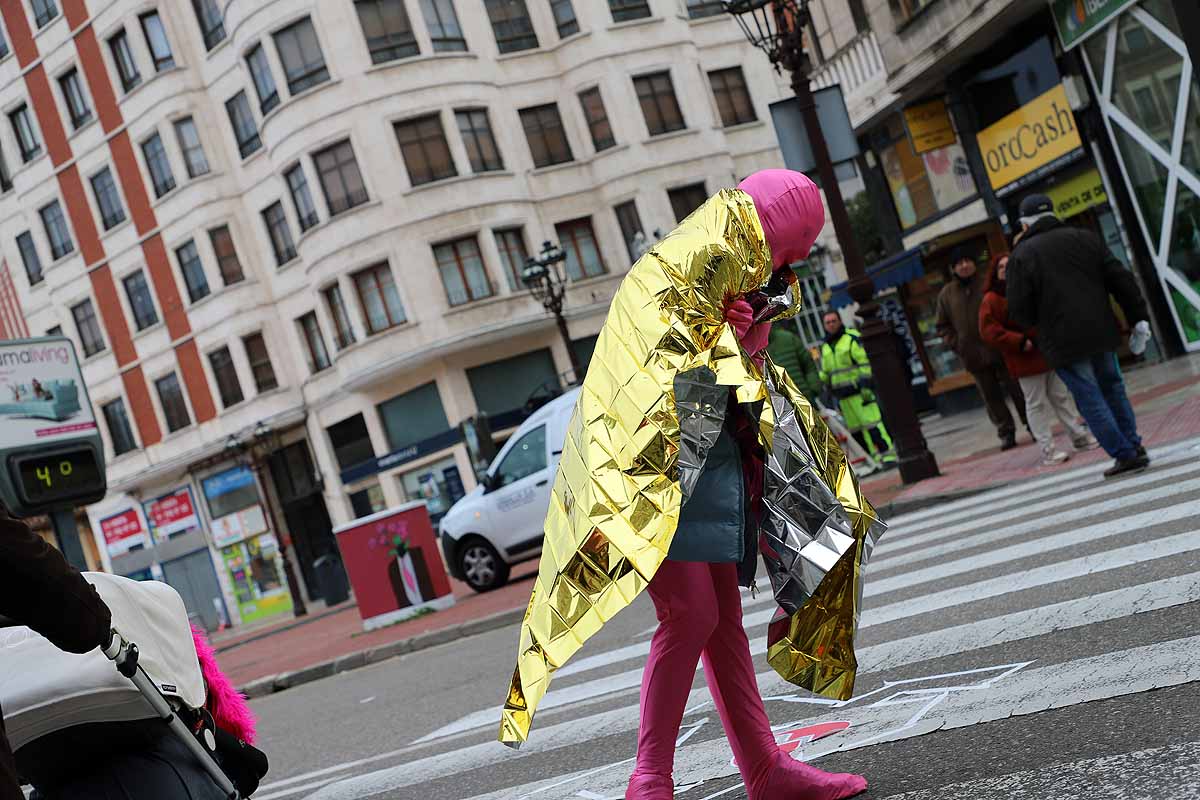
[{"x": 845, "y": 369}]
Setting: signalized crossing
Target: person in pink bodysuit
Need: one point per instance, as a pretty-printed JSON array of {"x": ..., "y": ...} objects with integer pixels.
[{"x": 699, "y": 606}]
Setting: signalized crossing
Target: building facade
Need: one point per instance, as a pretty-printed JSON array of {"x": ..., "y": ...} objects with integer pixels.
[
  {"x": 286, "y": 238},
  {"x": 989, "y": 100}
]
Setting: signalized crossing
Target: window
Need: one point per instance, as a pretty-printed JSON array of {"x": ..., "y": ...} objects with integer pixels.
[
  {"x": 501, "y": 388},
  {"x": 27, "y": 138},
  {"x": 226, "y": 374},
  {"x": 159, "y": 165},
  {"x": 511, "y": 25},
  {"x": 547, "y": 139},
  {"x": 193, "y": 151},
  {"x": 368, "y": 501},
  {"x": 318, "y": 356},
  {"x": 476, "y": 130},
  {"x": 443, "y": 26},
  {"x": 351, "y": 441},
  {"x": 656, "y": 94},
  {"x": 387, "y": 29},
  {"x": 245, "y": 129},
  {"x": 170, "y": 396},
  {"x": 343, "y": 333},
  {"x": 89, "y": 328},
  {"x": 264, "y": 81},
  {"x": 686, "y": 199},
  {"x": 112, "y": 213},
  {"x": 122, "y": 54},
  {"x": 140, "y": 301},
  {"x": 280, "y": 233},
  {"x": 378, "y": 297},
  {"x": 526, "y": 457},
  {"x": 29, "y": 255},
  {"x": 118, "y": 427},
  {"x": 597, "y": 119},
  {"x": 631, "y": 225},
  {"x": 227, "y": 257},
  {"x": 623, "y": 10},
  {"x": 306, "y": 211},
  {"x": 921, "y": 185},
  {"x": 511, "y": 243},
  {"x": 423, "y": 145},
  {"x": 193, "y": 271},
  {"x": 907, "y": 9},
  {"x": 211, "y": 24},
  {"x": 156, "y": 40},
  {"x": 858, "y": 13},
  {"x": 698, "y": 9},
  {"x": 260, "y": 362},
  {"x": 55, "y": 331},
  {"x": 77, "y": 105},
  {"x": 413, "y": 417},
  {"x": 564, "y": 17},
  {"x": 341, "y": 181},
  {"x": 5, "y": 178},
  {"x": 463, "y": 274},
  {"x": 4, "y": 51},
  {"x": 44, "y": 12},
  {"x": 300, "y": 52},
  {"x": 57, "y": 232},
  {"x": 579, "y": 242},
  {"x": 733, "y": 98},
  {"x": 229, "y": 492}
]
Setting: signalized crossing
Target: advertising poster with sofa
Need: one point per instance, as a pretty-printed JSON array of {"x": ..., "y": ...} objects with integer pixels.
[{"x": 40, "y": 393}]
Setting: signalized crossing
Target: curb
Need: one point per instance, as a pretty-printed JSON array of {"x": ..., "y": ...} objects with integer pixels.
[
  {"x": 897, "y": 508},
  {"x": 272, "y": 684}
]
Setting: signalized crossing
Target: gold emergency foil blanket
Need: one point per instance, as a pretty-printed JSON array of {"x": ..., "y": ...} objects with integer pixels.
[{"x": 617, "y": 497}]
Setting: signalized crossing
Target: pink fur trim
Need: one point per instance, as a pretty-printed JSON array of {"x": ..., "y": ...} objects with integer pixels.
[{"x": 227, "y": 705}]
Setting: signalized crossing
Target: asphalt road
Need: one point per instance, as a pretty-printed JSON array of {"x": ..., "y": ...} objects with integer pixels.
[{"x": 1035, "y": 642}]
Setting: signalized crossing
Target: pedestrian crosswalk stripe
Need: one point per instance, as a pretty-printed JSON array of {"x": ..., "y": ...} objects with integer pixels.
[
  {"x": 945, "y": 513},
  {"x": 1035, "y": 499}
]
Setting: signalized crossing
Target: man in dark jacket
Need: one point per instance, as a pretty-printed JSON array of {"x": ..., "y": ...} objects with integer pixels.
[
  {"x": 38, "y": 588},
  {"x": 1059, "y": 281},
  {"x": 958, "y": 325},
  {"x": 788, "y": 351}
]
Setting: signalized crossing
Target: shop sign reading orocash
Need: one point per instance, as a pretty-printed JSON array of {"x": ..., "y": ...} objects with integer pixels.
[{"x": 1031, "y": 142}]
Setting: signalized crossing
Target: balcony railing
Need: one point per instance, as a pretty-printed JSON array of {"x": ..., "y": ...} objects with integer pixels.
[{"x": 858, "y": 67}]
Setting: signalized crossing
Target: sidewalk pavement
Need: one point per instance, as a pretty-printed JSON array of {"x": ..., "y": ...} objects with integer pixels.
[{"x": 289, "y": 653}]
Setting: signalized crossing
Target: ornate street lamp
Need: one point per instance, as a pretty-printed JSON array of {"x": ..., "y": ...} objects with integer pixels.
[
  {"x": 777, "y": 28},
  {"x": 261, "y": 443},
  {"x": 543, "y": 275}
]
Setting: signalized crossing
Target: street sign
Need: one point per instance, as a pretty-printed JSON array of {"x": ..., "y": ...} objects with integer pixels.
[
  {"x": 51, "y": 456},
  {"x": 835, "y": 125}
]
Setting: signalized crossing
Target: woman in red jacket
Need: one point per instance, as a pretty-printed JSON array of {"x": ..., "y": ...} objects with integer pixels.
[{"x": 1046, "y": 396}]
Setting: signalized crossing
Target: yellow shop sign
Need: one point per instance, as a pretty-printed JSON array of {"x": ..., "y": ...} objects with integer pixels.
[
  {"x": 1035, "y": 135},
  {"x": 929, "y": 126},
  {"x": 1078, "y": 194}
]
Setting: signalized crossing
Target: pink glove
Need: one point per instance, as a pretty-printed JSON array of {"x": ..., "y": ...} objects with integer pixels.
[{"x": 753, "y": 337}]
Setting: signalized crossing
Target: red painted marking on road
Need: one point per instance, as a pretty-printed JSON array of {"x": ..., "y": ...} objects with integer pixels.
[{"x": 790, "y": 740}]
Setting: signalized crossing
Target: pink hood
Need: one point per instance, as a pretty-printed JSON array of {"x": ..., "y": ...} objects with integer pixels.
[{"x": 790, "y": 209}]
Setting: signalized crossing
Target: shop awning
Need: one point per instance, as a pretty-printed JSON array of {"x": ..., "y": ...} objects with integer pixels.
[{"x": 891, "y": 272}]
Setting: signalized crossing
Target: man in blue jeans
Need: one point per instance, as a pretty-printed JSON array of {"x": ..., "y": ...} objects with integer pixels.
[{"x": 1060, "y": 279}]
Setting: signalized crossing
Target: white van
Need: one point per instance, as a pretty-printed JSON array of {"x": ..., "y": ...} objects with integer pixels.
[{"x": 499, "y": 523}]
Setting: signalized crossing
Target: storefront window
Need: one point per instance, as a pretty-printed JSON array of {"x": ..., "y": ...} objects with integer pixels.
[
  {"x": 1191, "y": 131},
  {"x": 922, "y": 295},
  {"x": 1146, "y": 83},
  {"x": 258, "y": 585},
  {"x": 439, "y": 485},
  {"x": 413, "y": 417},
  {"x": 230, "y": 491},
  {"x": 1185, "y": 259},
  {"x": 1149, "y": 179},
  {"x": 924, "y": 185},
  {"x": 368, "y": 501}
]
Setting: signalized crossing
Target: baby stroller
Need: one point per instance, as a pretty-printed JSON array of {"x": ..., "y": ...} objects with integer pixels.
[{"x": 150, "y": 716}]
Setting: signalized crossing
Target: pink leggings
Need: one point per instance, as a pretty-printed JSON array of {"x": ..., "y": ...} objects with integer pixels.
[{"x": 699, "y": 611}]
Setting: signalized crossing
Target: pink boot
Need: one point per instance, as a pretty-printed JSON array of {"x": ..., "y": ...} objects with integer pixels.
[
  {"x": 769, "y": 774},
  {"x": 649, "y": 787}
]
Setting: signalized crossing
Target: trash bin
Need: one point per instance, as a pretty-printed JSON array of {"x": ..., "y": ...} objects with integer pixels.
[{"x": 331, "y": 579}]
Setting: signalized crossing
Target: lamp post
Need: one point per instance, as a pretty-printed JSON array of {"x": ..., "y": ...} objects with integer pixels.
[
  {"x": 777, "y": 28},
  {"x": 543, "y": 276},
  {"x": 262, "y": 442}
]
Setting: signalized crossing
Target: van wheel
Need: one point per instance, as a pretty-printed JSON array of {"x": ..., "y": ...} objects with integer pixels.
[{"x": 482, "y": 567}]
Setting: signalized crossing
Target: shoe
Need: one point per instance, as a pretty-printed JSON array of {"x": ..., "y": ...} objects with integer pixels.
[
  {"x": 1008, "y": 442},
  {"x": 1084, "y": 443},
  {"x": 1053, "y": 458},
  {"x": 1127, "y": 466},
  {"x": 789, "y": 779},
  {"x": 1143, "y": 454},
  {"x": 649, "y": 787}
]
